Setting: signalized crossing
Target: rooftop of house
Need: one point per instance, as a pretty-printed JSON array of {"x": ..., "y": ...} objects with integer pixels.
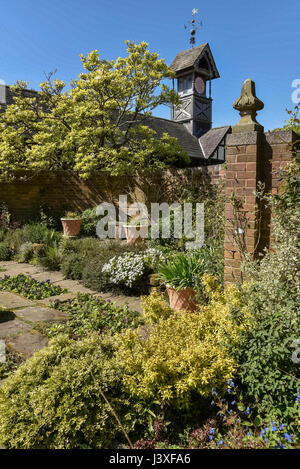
[{"x": 189, "y": 59}]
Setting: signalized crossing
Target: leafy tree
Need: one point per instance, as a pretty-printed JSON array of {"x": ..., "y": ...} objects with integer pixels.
[
  {"x": 293, "y": 123},
  {"x": 99, "y": 124}
]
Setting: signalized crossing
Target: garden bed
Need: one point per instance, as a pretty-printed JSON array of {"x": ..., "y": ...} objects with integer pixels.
[{"x": 29, "y": 287}]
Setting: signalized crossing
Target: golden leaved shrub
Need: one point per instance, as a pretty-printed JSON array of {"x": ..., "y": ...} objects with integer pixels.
[{"x": 185, "y": 354}]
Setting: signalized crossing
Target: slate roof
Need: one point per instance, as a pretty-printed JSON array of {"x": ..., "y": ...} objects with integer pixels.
[
  {"x": 186, "y": 59},
  {"x": 188, "y": 142},
  {"x": 211, "y": 140}
]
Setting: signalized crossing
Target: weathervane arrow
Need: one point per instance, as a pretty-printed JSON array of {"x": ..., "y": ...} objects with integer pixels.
[{"x": 194, "y": 26}]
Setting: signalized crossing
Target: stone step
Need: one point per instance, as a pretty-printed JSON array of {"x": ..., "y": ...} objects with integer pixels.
[
  {"x": 40, "y": 314},
  {"x": 12, "y": 328},
  {"x": 13, "y": 300},
  {"x": 27, "y": 344}
]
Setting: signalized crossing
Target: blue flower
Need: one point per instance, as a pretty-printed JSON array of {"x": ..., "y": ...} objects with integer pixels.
[
  {"x": 273, "y": 427},
  {"x": 212, "y": 431},
  {"x": 248, "y": 410},
  {"x": 288, "y": 437},
  {"x": 233, "y": 402}
]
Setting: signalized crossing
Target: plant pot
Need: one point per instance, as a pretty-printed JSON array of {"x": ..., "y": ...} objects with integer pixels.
[
  {"x": 135, "y": 234},
  {"x": 71, "y": 226},
  {"x": 182, "y": 299}
]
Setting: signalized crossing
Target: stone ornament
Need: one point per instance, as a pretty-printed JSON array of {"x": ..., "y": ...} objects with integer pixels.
[{"x": 248, "y": 104}]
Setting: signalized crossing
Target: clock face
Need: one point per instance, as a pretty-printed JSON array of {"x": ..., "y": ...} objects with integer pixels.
[{"x": 200, "y": 85}]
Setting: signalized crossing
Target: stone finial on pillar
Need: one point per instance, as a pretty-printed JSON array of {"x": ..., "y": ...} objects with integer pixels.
[{"x": 248, "y": 104}]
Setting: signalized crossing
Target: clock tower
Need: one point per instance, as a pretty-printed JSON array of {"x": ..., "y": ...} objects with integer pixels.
[{"x": 195, "y": 69}]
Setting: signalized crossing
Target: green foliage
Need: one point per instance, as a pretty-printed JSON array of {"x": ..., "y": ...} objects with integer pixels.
[
  {"x": 293, "y": 123},
  {"x": 29, "y": 287},
  {"x": 50, "y": 258},
  {"x": 5, "y": 252},
  {"x": 268, "y": 372},
  {"x": 55, "y": 400},
  {"x": 12, "y": 362},
  {"x": 184, "y": 270},
  {"x": 99, "y": 124},
  {"x": 87, "y": 313},
  {"x": 71, "y": 216},
  {"x": 177, "y": 361},
  {"x": 155, "y": 307},
  {"x": 72, "y": 266},
  {"x": 38, "y": 233},
  {"x": 89, "y": 222}
]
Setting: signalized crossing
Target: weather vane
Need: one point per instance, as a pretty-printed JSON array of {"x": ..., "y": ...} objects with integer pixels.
[{"x": 194, "y": 25}]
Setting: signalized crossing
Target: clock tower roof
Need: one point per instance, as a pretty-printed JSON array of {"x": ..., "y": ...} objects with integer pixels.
[{"x": 198, "y": 59}]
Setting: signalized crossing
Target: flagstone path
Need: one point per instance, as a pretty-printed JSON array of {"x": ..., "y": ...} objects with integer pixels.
[{"x": 18, "y": 314}]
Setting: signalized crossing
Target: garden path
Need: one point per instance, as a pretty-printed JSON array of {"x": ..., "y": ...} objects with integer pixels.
[{"x": 18, "y": 314}]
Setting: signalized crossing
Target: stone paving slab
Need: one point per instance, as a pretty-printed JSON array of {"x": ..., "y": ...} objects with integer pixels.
[
  {"x": 13, "y": 327},
  {"x": 40, "y": 313},
  {"x": 62, "y": 297},
  {"x": 27, "y": 343},
  {"x": 74, "y": 286},
  {"x": 11, "y": 300},
  {"x": 122, "y": 300},
  {"x": 54, "y": 277},
  {"x": 15, "y": 268}
]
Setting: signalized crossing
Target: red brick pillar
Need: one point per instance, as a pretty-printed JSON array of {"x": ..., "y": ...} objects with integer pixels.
[
  {"x": 242, "y": 217},
  {"x": 241, "y": 179}
]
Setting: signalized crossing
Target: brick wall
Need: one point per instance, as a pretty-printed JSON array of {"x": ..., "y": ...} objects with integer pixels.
[
  {"x": 63, "y": 191},
  {"x": 251, "y": 158}
]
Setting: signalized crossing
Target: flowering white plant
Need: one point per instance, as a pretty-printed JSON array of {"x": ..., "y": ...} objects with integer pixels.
[{"x": 129, "y": 268}]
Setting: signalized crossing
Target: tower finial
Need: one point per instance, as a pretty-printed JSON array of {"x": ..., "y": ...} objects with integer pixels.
[{"x": 194, "y": 26}]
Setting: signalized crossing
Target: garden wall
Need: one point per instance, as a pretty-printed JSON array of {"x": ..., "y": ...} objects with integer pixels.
[{"x": 63, "y": 191}]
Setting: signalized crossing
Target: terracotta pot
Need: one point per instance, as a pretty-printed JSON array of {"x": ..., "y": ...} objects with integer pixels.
[
  {"x": 182, "y": 299},
  {"x": 71, "y": 226},
  {"x": 135, "y": 234}
]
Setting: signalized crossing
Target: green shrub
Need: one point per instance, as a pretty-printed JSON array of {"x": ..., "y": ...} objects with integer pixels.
[
  {"x": 72, "y": 266},
  {"x": 26, "y": 252},
  {"x": 5, "y": 252},
  {"x": 38, "y": 233},
  {"x": 185, "y": 270},
  {"x": 75, "y": 254},
  {"x": 268, "y": 373},
  {"x": 155, "y": 307},
  {"x": 86, "y": 314},
  {"x": 50, "y": 258},
  {"x": 89, "y": 222},
  {"x": 176, "y": 362},
  {"x": 55, "y": 400},
  {"x": 15, "y": 239}
]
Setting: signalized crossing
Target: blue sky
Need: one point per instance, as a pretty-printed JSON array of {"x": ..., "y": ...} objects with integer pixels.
[{"x": 258, "y": 39}]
